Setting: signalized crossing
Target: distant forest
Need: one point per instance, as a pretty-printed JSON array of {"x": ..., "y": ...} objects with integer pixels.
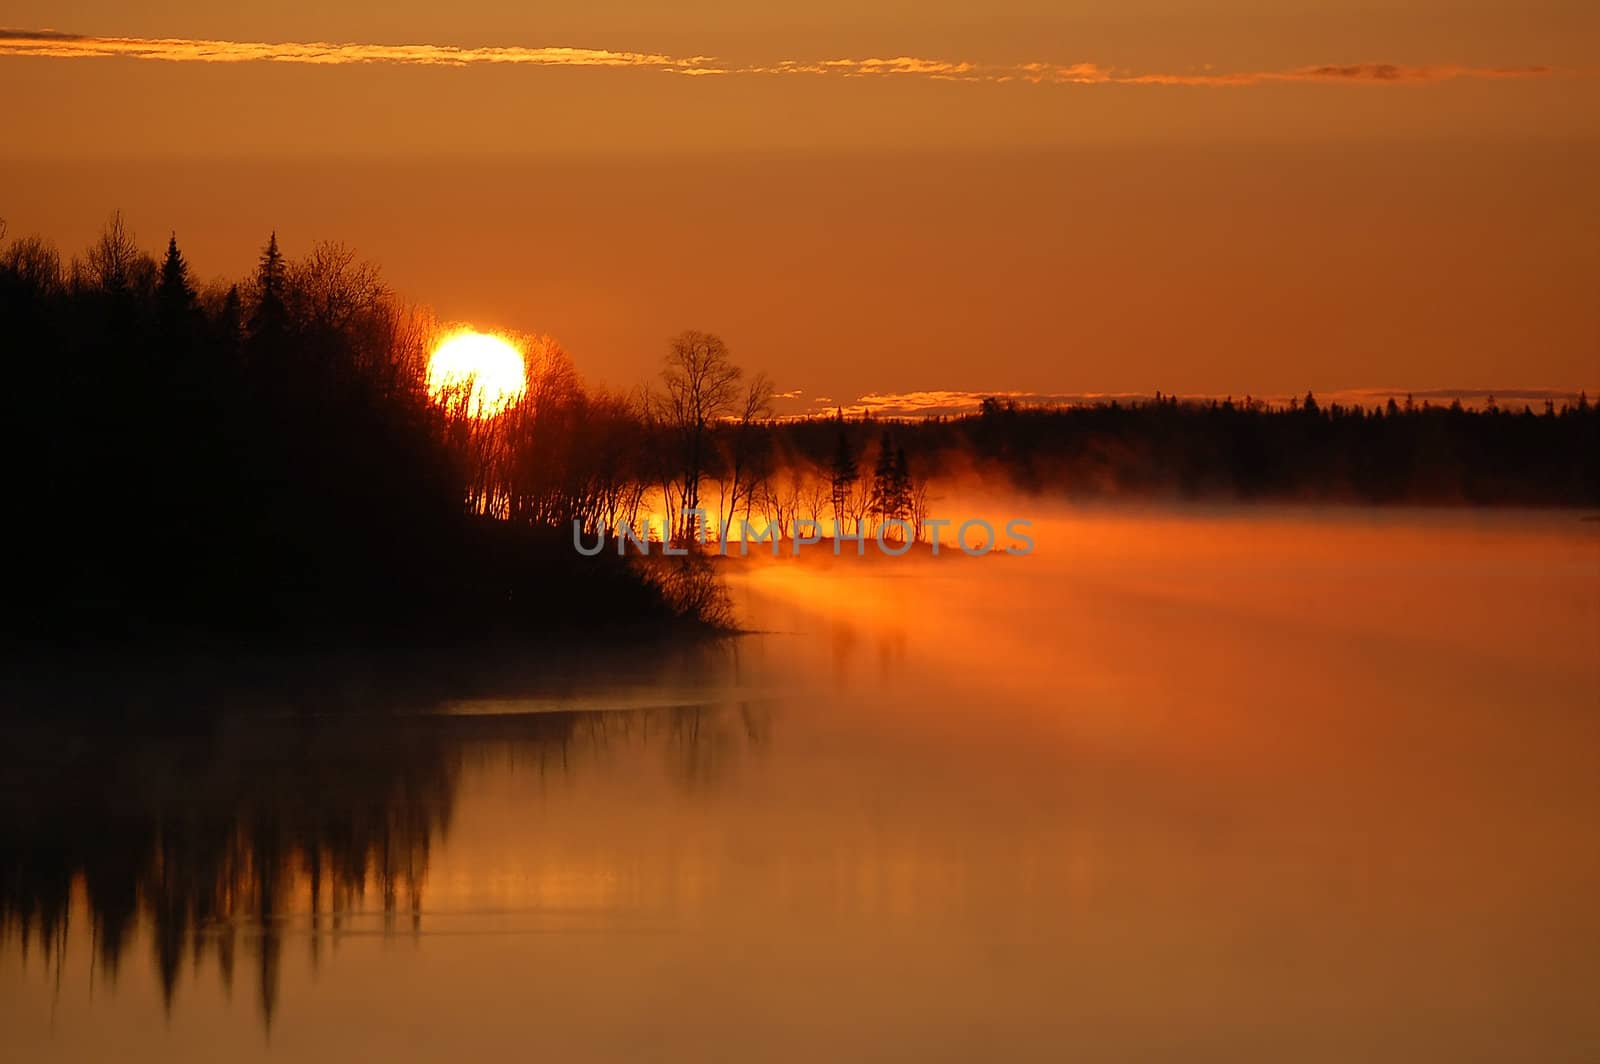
[{"x": 265, "y": 454}]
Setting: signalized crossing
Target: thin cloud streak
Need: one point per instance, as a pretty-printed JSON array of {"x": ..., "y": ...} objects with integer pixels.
[
  {"x": 54, "y": 45},
  {"x": 1094, "y": 74}
]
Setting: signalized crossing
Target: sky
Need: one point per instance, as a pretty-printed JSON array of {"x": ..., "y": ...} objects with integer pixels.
[{"x": 873, "y": 198}]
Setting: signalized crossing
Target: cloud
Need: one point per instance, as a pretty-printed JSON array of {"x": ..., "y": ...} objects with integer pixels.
[
  {"x": 1356, "y": 73},
  {"x": 52, "y": 44},
  {"x": 945, "y": 402},
  {"x": 1095, "y": 74}
]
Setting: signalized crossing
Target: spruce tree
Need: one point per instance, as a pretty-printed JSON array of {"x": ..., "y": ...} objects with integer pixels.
[
  {"x": 175, "y": 302},
  {"x": 270, "y": 315},
  {"x": 174, "y": 293},
  {"x": 883, "y": 479},
  {"x": 844, "y": 474},
  {"x": 902, "y": 486}
]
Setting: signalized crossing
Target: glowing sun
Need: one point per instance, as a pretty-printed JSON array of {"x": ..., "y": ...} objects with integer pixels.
[{"x": 484, "y": 369}]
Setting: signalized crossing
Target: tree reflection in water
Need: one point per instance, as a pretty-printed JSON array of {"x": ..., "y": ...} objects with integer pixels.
[{"x": 224, "y": 832}]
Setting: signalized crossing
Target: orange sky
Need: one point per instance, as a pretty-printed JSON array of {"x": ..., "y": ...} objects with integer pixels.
[{"x": 1090, "y": 196}]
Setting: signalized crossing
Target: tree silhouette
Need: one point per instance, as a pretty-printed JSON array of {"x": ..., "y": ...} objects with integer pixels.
[
  {"x": 843, "y": 474},
  {"x": 269, "y": 319},
  {"x": 264, "y": 459},
  {"x": 175, "y": 294},
  {"x": 901, "y": 488},
  {"x": 175, "y": 300},
  {"x": 746, "y": 450},
  {"x": 114, "y": 263},
  {"x": 700, "y": 385},
  {"x": 892, "y": 488},
  {"x": 265, "y": 456}
]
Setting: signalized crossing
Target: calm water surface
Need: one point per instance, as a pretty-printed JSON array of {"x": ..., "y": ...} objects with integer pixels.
[{"x": 1309, "y": 786}]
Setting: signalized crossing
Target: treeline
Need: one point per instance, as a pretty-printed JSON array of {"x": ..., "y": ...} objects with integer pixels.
[
  {"x": 863, "y": 473},
  {"x": 259, "y": 455},
  {"x": 702, "y": 445},
  {"x": 266, "y": 453},
  {"x": 1398, "y": 453}
]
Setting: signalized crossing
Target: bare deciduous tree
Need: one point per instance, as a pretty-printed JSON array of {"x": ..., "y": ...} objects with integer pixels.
[
  {"x": 33, "y": 262},
  {"x": 700, "y": 386},
  {"x": 331, "y": 288},
  {"x": 114, "y": 262}
]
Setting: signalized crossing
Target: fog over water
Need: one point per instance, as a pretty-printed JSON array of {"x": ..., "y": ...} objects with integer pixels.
[{"x": 1191, "y": 784}]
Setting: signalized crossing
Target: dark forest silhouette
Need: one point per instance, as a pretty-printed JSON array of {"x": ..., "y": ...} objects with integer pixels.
[
  {"x": 1242, "y": 450},
  {"x": 265, "y": 456}
]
